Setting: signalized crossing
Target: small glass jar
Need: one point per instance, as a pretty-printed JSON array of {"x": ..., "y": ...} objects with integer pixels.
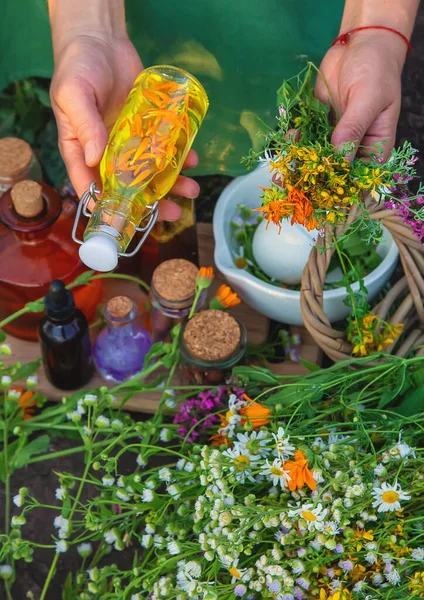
[
  {"x": 122, "y": 346},
  {"x": 17, "y": 163},
  {"x": 172, "y": 295},
  {"x": 211, "y": 344}
]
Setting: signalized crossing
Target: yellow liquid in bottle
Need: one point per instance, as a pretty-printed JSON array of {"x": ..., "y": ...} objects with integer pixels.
[{"x": 146, "y": 149}]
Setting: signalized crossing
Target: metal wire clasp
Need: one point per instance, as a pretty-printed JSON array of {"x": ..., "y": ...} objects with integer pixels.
[{"x": 90, "y": 194}]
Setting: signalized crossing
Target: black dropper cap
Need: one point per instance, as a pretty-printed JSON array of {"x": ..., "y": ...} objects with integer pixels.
[{"x": 59, "y": 302}]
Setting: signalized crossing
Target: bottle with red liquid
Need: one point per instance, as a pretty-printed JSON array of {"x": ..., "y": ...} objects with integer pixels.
[{"x": 36, "y": 248}]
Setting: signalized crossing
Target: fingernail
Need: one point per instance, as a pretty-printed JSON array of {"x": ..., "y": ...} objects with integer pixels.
[{"x": 90, "y": 153}]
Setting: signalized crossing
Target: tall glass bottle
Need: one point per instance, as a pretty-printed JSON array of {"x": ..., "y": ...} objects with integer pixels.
[{"x": 144, "y": 155}]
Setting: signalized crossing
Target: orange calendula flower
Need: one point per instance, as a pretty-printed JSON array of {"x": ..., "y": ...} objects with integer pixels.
[
  {"x": 275, "y": 211},
  {"x": 225, "y": 298},
  {"x": 26, "y": 402},
  {"x": 219, "y": 439},
  {"x": 254, "y": 413},
  {"x": 204, "y": 277},
  {"x": 303, "y": 209},
  {"x": 299, "y": 472}
]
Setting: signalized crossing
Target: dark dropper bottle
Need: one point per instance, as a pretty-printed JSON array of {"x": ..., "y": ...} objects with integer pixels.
[{"x": 65, "y": 340}]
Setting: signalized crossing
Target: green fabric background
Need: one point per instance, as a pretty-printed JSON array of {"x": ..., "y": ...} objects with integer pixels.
[{"x": 241, "y": 50}]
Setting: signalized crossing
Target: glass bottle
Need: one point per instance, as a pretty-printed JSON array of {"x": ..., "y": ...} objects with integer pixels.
[
  {"x": 171, "y": 295},
  {"x": 144, "y": 155},
  {"x": 211, "y": 344},
  {"x": 122, "y": 346},
  {"x": 36, "y": 248},
  {"x": 17, "y": 162},
  {"x": 65, "y": 340}
]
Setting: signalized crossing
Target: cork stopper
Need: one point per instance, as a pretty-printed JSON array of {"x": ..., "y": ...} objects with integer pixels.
[
  {"x": 15, "y": 157},
  {"x": 175, "y": 279},
  {"x": 212, "y": 335},
  {"x": 27, "y": 198},
  {"x": 119, "y": 307}
]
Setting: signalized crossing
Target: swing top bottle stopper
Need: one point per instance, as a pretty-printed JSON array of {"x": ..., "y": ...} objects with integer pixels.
[{"x": 143, "y": 158}]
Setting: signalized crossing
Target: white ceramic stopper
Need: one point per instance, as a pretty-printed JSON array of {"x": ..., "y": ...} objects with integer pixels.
[
  {"x": 283, "y": 256},
  {"x": 99, "y": 252}
]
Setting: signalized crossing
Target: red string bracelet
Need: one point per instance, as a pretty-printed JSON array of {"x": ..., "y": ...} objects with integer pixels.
[{"x": 344, "y": 37}]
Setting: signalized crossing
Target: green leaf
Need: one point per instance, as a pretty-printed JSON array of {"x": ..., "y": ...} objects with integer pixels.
[
  {"x": 43, "y": 97},
  {"x": 67, "y": 589},
  {"x": 256, "y": 374},
  {"x": 25, "y": 371},
  {"x": 37, "y": 446},
  {"x": 413, "y": 404},
  {"x": 11, "y": 449},
  {"x": 310, "y": 366},
  {"x": 2, "y": 336}
]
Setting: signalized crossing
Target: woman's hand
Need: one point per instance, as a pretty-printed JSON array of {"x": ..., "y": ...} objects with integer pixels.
[
  {"x": 94, "y": 71},
  {"x": 362, "y": 81}
]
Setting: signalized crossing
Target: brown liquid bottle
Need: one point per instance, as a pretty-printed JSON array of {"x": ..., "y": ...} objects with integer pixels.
[
  {"x": 36, "y": 248},
  {"x": 65, "y": 340}
]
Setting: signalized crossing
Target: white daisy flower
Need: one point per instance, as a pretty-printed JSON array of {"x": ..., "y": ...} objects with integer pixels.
[
  {"x": 6, "y": 572},
  {"x": 254, "y": 443},
  {"x": 61, "y": 546},
  {"x": 110, "y": 536},
  {"x": 276, "y": 472},
  {"x": 380, "y": 470},
  {"x": 108, "y": 480},
  {"x": 84, "y": 550},
  {"x": 60, "y": 493},
  {"x": 18, "y": 500},
  {"x": 240, "y": 261},
  {"x": 147, "y": 495},
  {"x": 388, "y": 497},
  {"x": 6, "y": 381},
  {"x": 418, "y": 553},
  {"x": 282, "y": 443},
  {"x": 31, "y": 381},
  {"x": 313, "y": 516},
  {"x": 240, "y": 463},
  {"x": 89, "y": 399},
  {"x": 164, "y": 475},
  {"x": 393, "y": 577},
  {"x": 400, "y": 451},
  {"x": 173, "y": 548},
  {"x": 102, "y": 422}
]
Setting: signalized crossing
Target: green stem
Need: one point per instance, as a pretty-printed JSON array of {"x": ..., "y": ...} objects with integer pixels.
[
  {"x": 53, "y": 566},
  {"x": 199, "y": 291},
  {"x": 65, "y": 452},
  {"x": 6, "y": 469},
  {"x": 140, "y": 282}
]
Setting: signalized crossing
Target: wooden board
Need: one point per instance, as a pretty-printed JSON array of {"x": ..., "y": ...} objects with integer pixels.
[{"x": 257, "y": 327}]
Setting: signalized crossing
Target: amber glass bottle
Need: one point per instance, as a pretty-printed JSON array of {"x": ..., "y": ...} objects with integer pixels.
[{"x": 35, "y": 248}]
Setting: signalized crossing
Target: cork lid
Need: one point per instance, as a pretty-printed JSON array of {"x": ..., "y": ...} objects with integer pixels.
[
  {"x": 27, "y": 198},
  {"x": 15, "y": 156},
  {"x": 120, "y": 307},
  {"x": 212, "y": 335},
  {"x": 175, "y": 279}
]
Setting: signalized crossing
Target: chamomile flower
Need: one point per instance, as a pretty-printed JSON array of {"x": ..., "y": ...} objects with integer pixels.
[
  {"x": 276, "y": 473},
  {"x": 61, "y": 546},
  {"x": 254, "y": 443},
  {"x": 417, "y": 554},
  {"x": 314, "y": 516},
  {"x": 387, "y": 498},
  {"x": 282, "y": 443},
  {"x": 240, "y": 463}
]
